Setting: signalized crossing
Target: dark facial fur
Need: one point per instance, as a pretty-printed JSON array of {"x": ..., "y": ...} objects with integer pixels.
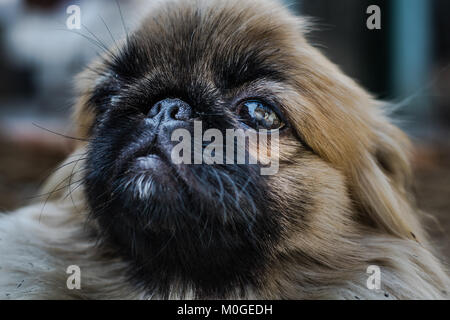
[
  {"x": 337, "y": 204},
  {"x": 208, "y": 228}
]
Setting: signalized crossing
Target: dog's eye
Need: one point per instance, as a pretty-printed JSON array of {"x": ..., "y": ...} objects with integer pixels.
[{"x": 258, "y": 115}]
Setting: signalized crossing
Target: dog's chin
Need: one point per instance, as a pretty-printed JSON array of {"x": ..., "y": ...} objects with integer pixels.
[
  {"x": 150, "y": 178},
  {"x": 207, "y": 226}
]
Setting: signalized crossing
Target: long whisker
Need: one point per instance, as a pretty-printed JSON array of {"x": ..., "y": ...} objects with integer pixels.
[
  {"x": 70, "y": 182},
  {"x": 123, "y": 21},
  {"x": 60, "y": 134},
  {"x": 109, "y": 31},
  {"x": 92, "y": 41},
  {"x": 56, "y": 189},
  {"x": 103, "y": 45},
  {"x": 51, "y": 172}
]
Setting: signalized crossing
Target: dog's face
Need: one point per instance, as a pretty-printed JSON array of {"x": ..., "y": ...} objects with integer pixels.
[{"x": 221, "y": 227}]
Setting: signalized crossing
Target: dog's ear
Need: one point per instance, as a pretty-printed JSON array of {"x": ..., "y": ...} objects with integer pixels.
[
  {"x": 343, "y": 124},
  {"x": 382, "y": 178}
]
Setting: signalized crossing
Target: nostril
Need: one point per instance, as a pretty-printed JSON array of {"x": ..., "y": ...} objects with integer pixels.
[
  {"x": 171, "y": 109},
  {"x": 179, "y": 110},
  {"x": 154, "y": 110},
  {"x": 174, "y": 112}
]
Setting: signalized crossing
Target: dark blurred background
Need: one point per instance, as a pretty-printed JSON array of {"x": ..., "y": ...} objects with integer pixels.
[{"x": 406, "y": 62}]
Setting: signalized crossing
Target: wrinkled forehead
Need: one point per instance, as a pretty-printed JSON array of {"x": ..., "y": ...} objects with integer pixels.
[{"x": 226, "y": 46}]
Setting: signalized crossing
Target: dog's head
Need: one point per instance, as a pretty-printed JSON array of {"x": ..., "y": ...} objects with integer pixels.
[{"x": 235, "y": 64}]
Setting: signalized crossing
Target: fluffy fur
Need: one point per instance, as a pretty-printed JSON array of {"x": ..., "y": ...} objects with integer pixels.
[{"x": 339, "y": 203}]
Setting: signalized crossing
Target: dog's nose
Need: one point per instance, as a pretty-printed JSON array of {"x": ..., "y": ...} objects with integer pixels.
[{"x": 171, "y": 109}]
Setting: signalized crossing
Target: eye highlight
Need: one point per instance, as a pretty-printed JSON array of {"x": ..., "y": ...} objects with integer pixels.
[{"x": 258, "y": 115}]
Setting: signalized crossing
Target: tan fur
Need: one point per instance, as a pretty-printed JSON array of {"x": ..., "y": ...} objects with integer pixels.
[{"x": 357, "y": 175}]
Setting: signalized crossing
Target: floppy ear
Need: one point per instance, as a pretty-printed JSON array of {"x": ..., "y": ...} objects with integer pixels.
[{"x": 347, "y": 127}]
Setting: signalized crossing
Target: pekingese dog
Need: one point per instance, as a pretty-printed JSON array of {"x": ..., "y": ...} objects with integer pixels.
[{"x": 139, "y": 226}]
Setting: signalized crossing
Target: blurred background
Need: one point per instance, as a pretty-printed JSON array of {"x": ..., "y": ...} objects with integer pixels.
[{"x": 406, "y": 62}]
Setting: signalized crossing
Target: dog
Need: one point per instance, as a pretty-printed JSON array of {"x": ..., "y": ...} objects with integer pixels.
[{"x": 139, "y": 226}]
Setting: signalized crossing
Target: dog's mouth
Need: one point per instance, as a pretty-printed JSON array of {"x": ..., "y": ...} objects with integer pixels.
[
  {"x": 151, "y": 162},
  {"x": 149, "y": 165},
  {"x": 147, "y": 159}
]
